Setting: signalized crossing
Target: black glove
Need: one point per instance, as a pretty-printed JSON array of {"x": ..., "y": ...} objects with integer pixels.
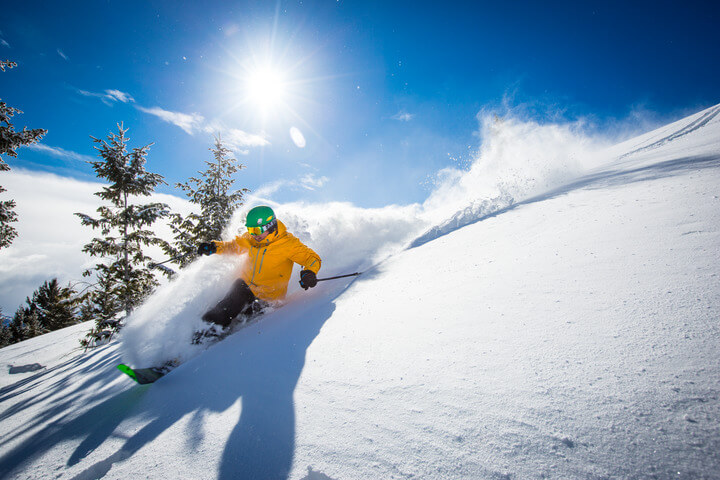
[
  {"x": 207, "y": 248},
  {"x": 308, "y": 279}
]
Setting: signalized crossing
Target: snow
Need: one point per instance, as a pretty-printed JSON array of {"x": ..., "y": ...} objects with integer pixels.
[{"x": 569, "y": 333}]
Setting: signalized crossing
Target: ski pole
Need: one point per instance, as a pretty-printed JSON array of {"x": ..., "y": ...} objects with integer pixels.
[
  {"x": 339, "y": 276},
  {"x": 179, "y": 257}
]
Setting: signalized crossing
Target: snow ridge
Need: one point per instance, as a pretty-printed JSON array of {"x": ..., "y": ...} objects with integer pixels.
[
  {"x": 475, "y": 212},
  {"x": 704, "y": 118}
]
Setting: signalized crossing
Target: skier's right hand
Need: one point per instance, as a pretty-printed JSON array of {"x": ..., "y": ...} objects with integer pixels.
[
  {"x": 207, "y": 248},
  {"x": 308, "y": 279}
]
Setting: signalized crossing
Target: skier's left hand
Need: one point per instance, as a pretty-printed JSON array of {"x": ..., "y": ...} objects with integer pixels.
[
  {"x": 308, "y": 279},
  {"x": 207, "y": 248}
]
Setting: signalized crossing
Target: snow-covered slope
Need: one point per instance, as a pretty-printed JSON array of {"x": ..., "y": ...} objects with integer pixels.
[{"x": 573, "y": 335}]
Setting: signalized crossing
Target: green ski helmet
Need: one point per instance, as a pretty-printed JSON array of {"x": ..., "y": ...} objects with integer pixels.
[{"x": 260, "y": 219}]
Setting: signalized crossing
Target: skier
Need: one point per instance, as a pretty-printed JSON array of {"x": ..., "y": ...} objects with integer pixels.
[{"x": 270, "y": 252}]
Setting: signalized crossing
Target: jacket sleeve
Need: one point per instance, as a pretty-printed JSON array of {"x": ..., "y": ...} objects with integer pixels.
[
  {"x": 305, "y": 256},
  {"x": 236, "y": 246}
]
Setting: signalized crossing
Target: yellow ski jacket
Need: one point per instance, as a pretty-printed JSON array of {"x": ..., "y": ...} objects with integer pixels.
[{"x": 270, "y": 262}]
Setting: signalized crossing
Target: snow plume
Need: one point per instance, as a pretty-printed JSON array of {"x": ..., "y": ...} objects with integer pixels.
[
  {"x": 162, "y": 328},
  {"x": 516, "y": 161},
  {"x": 347, "y": 238}
]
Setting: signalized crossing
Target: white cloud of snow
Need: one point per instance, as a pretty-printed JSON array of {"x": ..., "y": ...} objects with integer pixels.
[
  {"x": 347, "y": 238},
  {"x": 174, "y": 312},
  {"x": 517, "y": 159}
]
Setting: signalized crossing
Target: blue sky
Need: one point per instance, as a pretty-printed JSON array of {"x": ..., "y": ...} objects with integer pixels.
[{"x": 383, "y": 94}]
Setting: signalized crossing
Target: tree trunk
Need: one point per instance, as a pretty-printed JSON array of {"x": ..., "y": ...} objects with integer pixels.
[{"x": 127, "y": 260}]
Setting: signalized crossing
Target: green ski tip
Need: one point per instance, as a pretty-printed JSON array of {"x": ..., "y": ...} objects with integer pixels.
[
  {"x": 127, "y": 371},
  {"x": 143, "y": 376}
]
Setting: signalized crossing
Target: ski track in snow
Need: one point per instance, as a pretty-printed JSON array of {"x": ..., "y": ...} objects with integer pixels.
[
  {"x": 703, "y": 120},
  {"x": 573, "y": 333}
]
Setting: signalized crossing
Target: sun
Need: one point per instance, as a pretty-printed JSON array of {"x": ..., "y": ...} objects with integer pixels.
[
  {"x": 266, "y": 87},
  {"x": 273, "y": 84}
]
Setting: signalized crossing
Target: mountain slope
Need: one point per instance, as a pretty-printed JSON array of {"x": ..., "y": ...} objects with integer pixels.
[{"x": 573, "y": 335}]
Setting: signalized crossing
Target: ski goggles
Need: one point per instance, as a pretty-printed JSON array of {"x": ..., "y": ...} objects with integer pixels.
[{"x": 257, "y": 231}]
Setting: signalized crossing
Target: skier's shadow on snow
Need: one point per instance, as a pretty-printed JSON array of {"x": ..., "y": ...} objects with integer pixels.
[
  {"x": 266, "y": 372},
  {"x": 260, "y": 366}
]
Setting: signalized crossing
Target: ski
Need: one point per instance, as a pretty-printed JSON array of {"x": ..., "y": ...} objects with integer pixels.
[
  {"x": 142, "y": 376},
  {"x": 206, "y": 339}
]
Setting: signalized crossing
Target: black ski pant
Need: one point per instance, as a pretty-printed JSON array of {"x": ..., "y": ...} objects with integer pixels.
[{"x": 239, "y": 299}]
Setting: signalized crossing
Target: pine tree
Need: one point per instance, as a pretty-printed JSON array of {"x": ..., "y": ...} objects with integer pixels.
[
  {"x": 33, "y": 324},
  {"x": 19, "y": 329},
  {"x": 5, "y": 335},
  {"x": 56, "y": 306},
  {"x": 25, "y": 324},
  {"x": 103, "y": 304},
  {"x": 10, "y": 141},
  {"x": 211, "y": 192},
  {"x": 7, "y": 215},
  {"x": 124, "y": 279}
]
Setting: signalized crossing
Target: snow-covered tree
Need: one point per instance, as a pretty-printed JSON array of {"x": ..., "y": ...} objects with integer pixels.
[
  {"x": 56, "y": 306},
  {"x": 24, "y": 325},
  {"x": 212, "y": 193},
  {"x": 7, "y": 215},
  {"x": 5, "y": 335},
  {"x": 124, "y": 278},
  {"x": 103, "y": 304},
  {"x": 33, "y": 324},
  {"x": 10, "y": 141},
  {"x": 52, "y": 307}
]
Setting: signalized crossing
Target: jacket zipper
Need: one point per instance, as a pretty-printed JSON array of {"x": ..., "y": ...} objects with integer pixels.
[{"x": 261, "y": 262}]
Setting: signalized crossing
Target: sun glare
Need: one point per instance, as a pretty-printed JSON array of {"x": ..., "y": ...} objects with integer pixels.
[
  {"x": 271, "y": 85},
  {"x": 266, "y": 88}
]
